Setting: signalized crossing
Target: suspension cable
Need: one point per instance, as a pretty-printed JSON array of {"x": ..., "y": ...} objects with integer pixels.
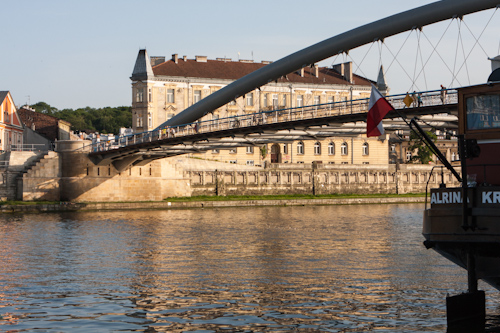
[
  {"x": 422, "y": 60},
  {"x": 463, "y": 53},
  {"x": 434, "y": 50},
  {"x": 394, "y": 56},
  {"x": 477, "y": 39},
  {"x": 395, "y": 59},
  {"x": 456, "y": 54}
]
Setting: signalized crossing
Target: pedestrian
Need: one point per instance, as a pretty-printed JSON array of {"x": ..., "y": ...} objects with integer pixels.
[
  {"x": 419, "y": 99},
  {"x": 443, "y": 94}
]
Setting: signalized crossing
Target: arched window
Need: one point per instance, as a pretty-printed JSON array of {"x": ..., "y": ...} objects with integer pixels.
[
  {"x": 344, "y": 149},
  {"x": 331, "y": 148},
  {"x": 317, "y": 148},
  {"x": 365, "y": 148},
  {"x": 300, "y": 148}
]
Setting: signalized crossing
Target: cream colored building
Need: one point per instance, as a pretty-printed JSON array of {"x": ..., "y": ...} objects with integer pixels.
[{"x": 162, "y": 88}]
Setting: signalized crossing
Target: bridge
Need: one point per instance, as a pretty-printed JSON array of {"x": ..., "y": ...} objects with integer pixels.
[
  {"x": 345, "y": 118},
  {"x": 185, "y": 133}
]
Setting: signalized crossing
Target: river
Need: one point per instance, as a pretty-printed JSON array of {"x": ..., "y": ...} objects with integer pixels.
[{"x": 356, "y": 268}]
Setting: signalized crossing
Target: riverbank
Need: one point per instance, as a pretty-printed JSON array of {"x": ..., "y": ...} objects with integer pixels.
[{"x": 33, "y": 207}]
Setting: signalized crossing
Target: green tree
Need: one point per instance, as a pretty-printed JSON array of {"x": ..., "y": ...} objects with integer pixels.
[
  {"x": 420, "y": 152},
  {"x": 87, "y": 119},
  {"x": 43, "y": 107}
]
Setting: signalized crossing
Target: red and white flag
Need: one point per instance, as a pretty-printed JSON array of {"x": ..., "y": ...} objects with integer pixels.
[{"x": 377, "y": 109}]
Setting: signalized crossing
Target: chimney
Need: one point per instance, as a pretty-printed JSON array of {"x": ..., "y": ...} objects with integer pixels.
[
  {"x": 302, "y": 72},
  {"x": 348, "y": 71},
  {"x": 185, "y": 58},
  {"x": 175, "y": 58},
  {"x": 339, "y": 68},
  {"x": 316, "y": 70},
  {"x": 201, "y": 58}
]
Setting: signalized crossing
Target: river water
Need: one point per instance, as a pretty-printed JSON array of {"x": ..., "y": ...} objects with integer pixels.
[{"x": 270, "y": 269}]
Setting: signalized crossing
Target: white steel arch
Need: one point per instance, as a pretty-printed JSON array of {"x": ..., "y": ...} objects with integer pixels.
[{"x": 378, "y": 30}]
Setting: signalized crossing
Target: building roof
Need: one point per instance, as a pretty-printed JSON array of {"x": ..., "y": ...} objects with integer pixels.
[
  {"x": 142, "y": 68},
  {"x": 44, "y": 124},
  {"x": 3, "y": 94},
  {"x": 233, "y": 70}
]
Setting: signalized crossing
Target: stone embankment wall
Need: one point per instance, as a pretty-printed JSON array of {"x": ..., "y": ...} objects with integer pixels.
[
  {"x": 318, "y": 179},
  {"x": 13, "y": 165},
  {"x": 69, "y": 175}
]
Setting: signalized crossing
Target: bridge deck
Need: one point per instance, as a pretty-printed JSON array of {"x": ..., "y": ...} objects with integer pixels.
[{"x": 345, "y": 118}]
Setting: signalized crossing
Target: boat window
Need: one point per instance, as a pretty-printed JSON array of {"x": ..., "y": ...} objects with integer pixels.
[{"x": 483, "y": 112}]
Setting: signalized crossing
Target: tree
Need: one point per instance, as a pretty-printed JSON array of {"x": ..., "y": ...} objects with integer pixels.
[
  {"x": 43, "y": 107},
  {"x": 87, "y": 119},
  {"x": 420, "y": 152}
]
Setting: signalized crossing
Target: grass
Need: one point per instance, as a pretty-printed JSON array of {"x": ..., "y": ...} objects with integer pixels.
[
  {"x": 27, "y": 203},
  {"x": 289, "y": 197}
]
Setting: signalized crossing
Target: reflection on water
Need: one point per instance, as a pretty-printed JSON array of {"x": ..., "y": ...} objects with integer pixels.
[{"x": 327, "y": 268}]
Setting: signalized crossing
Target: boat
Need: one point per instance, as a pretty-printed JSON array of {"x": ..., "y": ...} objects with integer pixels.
[{"x": 463, "y": 223}]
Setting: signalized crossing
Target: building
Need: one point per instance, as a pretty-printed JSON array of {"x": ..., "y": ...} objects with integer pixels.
[
  {"x": 162, "y": 88},
  {"x": 11, "y": 127},
  {"x": 49, "y": 126},
  {"x": 43, "y": 129}
]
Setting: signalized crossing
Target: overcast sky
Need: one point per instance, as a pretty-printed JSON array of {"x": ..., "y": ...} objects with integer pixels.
[{"x": 73, "y": 54}]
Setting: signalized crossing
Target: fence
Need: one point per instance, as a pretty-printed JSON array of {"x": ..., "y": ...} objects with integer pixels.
[{"x": 429, "y": 98}]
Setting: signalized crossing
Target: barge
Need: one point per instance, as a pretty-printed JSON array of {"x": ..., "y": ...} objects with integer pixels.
[{"x": 463, "y": 223}]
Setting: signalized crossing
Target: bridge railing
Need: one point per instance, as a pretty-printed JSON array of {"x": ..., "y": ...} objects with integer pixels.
[{"x": 428, "y": 98}]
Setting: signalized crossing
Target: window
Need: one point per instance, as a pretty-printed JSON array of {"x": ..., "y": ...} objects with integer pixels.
[
  {"x": 317, "y": 100},
  {"x": 317, "y": 148},
  {"x": 365, "y": 148},
  {"x": 196, "y": 96},
  {"x": 408, "y": 155},
  {"x": 344, "y": 163},
  {"x": 150, "y": 120},
  {"x": 150, "y": 95},
  {"x": 139, "y": 95},
  {"x": 233, "y": 151},
  {"x": 249, "y": 150},
  {"x": 453, "y": 156},
  {"x": 215, "y": 151},
  {"x": 265, "y": 100},
  {"x": 275, "y": 101},
  {"x": 233, "y": 162},
  {"x": 250, "y": 162},
  {"x": 285, "y": 149},
  {"x": 170, "y": 96},
  {"x": 284, "y": 101},
  {"x": 139, "y": 120},
  {"x": 300, "y": 101},
  {"x": 300, "y": 148},
  {"x": 344, "y": 149},
  {"x": 331, "y": 148},
  {"x": 249, "y": 99}
]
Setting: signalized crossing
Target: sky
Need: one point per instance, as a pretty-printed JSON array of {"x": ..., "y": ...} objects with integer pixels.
[{"x": 73, "y": 54}]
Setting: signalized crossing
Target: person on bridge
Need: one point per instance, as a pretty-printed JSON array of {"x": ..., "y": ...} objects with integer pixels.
[{"x": 443, "y": 94}]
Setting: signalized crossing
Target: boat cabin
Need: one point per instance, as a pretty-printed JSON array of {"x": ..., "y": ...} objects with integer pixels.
[{"x": 479, "y": 122}]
